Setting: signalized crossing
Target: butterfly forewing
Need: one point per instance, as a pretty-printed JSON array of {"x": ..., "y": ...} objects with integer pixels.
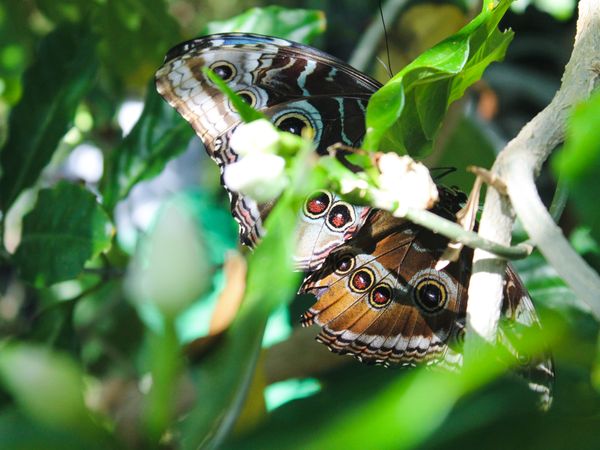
[{"x": 296, "y": 86}]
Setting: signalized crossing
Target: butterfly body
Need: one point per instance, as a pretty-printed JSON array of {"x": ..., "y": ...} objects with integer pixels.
[{"x": 379, "y": 296}]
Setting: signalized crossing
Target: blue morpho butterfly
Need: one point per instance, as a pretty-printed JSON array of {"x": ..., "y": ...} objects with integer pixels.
[{"x": 379, "y": 296}]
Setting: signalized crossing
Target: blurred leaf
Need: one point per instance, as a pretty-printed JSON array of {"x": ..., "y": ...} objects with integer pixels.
[
  {"x": 61, "y": 10},
  {"x": 159, "y": 135},
  {"x": 17, "y": 432},
  {"x": 66, "y": 228},
  {"x": 17, "y": 46},
  {"x": 582, "y": 241},
  {"x": 382, "y": 410},
  {"x": 300, "y": 25},
  {"x": 47, "y": 386},
  {"x": 579, "y": 162},
  {"x": 166, "y": 360},
  {"x": 135, "y": 36},
  {"x": 419, "y": 95},
  {"x": 53, "y": 86},
  {"x": 559, "y": 9},
  {"x": 223, "y": 378}
]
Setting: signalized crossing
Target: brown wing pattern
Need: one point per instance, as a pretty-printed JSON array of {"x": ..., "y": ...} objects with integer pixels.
[{"x": 380, "y": 299}]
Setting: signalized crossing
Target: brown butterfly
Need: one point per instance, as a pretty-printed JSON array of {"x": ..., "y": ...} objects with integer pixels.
[{"x": 379, "y": 296}]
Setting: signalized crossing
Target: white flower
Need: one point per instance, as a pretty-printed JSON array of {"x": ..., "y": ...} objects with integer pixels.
[
  {"x": 351, "y": 182},
  {"x": 403, "y": 183},
  {"x": 259, "y": 136},
  {"x": 261, "y": 176}
]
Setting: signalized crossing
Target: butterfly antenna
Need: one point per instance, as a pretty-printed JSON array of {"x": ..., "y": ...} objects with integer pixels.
[{"x": 387, "y": 44}]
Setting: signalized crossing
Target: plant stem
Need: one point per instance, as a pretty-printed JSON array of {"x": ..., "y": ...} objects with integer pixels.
[
  {"x": 469, "y": 238},
  {"x": 517, "y": 165}
]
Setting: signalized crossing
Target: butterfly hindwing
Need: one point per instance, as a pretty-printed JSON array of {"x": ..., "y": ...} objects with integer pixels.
[{"x": 380, "y": 299}]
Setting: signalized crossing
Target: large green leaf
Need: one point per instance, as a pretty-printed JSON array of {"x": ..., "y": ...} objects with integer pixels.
[
  {"x": 66, "y": 228},
  {"x": 415, "y": 101},
  {"x": 61, "y": 74},
  {"x": 300, "y": 25},
  {"x": 579, "y": 162},
  {"x": 223, "y": 378},
  {"x": 159, "y": 135}
]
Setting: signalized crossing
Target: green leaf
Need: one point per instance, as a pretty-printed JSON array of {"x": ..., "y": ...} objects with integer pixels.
[
  {"x": 47, "y": 386},
  {"x": 579, "y": 162},
  {"x": 159, "y": 135},
  {"x": 53, "y": 86},
  {"x": 66, "y": 228},
  {"x": 300, "y": 25},
  {"x": 405, "y": 409},
  {"x": 223, "y": 378},
  {"x": 135, "y": 36},
  {"x": 18, "y": 432},
  {"x": 420, "y": 94}
]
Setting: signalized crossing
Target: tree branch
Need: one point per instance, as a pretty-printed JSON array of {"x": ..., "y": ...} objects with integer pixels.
[{"x": 517, "y": 165}]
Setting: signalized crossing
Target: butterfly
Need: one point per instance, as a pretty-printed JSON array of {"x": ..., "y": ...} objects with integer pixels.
[{"x": 379, "y": 296}]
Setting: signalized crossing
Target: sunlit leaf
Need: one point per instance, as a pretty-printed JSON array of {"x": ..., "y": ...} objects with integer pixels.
[
  {"x": 300, "y": 25},
  {"x": 419, "y": 95},
  {"x": 64, "y": 68},
  {"x": 66, "y": 228}
]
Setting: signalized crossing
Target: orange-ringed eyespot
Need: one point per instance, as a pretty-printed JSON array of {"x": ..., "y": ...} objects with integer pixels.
[
  {"x": 340, "y": 216},
  {"x": 362, "y": 280},
  {"x": 344, "y": 263},
  {"x": 430, "y": 295},
  {"x": 381, "y": 296},
  {"x": 293, "y": 122},
  {"x": 224, "y": 70},
  {"x": 317, "y": 204}
]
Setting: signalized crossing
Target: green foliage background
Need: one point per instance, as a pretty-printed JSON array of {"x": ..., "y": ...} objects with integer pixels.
[{"x": 94, "y": 353}]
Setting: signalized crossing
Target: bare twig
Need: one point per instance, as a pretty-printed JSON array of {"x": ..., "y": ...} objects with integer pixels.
[{"x": 517, "y": 165}]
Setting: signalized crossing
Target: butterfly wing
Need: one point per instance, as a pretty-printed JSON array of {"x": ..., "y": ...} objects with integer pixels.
[
  {"x": 380, "y": 299},
  {"x": 519, "y": 315},
  {"x": 294, "y": 85}
]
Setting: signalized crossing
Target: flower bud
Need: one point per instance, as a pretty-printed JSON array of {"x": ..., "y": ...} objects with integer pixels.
[
  {"x": 255, "y": 137},
  {"x": 403, "y": 183},
  {"x": 260, "y": 176}
]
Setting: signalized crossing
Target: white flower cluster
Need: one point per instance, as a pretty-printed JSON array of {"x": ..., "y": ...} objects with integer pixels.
[
  {"x": 403, "y": 183},
  {"x": 259, "y": 173}
]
